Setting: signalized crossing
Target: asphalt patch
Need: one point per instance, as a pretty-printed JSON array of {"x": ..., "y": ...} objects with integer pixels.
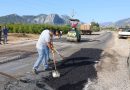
[{"x": 75, "y": 70}]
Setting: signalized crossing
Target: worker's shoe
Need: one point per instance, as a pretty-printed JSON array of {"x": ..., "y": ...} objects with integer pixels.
[
  {"x": 35, "y": 71},
  {"x": 47, "y": 68},
  {"x": 50, "y": 60}
]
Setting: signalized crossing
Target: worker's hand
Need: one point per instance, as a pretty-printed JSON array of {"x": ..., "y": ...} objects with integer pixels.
[
  {"x": 52, "y": 51},
  {"x": 51, "y": 45}
]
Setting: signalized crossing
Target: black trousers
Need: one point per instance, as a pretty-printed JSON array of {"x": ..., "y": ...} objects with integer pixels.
[{"x": 0, "y": 36}]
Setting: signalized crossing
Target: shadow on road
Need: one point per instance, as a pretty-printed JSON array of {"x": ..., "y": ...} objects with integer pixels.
[{"x": 75, "y": 70}]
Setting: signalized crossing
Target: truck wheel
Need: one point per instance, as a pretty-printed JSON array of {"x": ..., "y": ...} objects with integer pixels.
[
  {"x": 79, "y": 39},
  {"x": 83, "y": 32},
  {"x": 119, "y": 37}
]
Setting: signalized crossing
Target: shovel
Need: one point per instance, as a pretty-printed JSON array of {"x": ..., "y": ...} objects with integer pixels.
[
  {"x": 59, "y": 53},
  {"x": 55, "y": 73}
]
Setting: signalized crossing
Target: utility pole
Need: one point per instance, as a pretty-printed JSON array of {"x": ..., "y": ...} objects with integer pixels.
[{"x": 73, "y": 13}]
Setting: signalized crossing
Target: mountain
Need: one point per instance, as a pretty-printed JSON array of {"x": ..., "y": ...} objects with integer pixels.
[
  {"x": 28, "y": 18},
  {"x": 54, "y": 19},
  {"x": 65, "y": 18},
  {"x": 119, "y": 23},
  {"x": 39, "y": 19},
  {"x": 123, "y": 22},
  {"x": 12, "y": 18},
  {"x": 107, "y": 24}
]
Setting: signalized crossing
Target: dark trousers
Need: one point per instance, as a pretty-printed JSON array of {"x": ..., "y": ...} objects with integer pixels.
[
  {"x": 5, "y": 39},
  {"x": 0, "y": 37}
]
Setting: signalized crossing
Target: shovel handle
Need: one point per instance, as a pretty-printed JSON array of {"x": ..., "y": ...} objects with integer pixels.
[
  {"x": 59, "y": 53},
  {"x": 54, "y": 61}
]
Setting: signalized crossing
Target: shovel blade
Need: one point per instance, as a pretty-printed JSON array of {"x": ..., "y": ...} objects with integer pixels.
[{"x": 55, "y": 74}]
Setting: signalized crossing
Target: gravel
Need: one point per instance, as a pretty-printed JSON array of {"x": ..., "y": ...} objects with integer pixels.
[{"x": 112, "y": 71}]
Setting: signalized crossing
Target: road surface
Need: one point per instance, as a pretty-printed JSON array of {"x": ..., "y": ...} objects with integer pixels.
[{"x": 75, "y": 70}]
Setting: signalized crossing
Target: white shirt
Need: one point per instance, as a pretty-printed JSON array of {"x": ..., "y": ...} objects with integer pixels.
[{"x": 43, "y": 39}]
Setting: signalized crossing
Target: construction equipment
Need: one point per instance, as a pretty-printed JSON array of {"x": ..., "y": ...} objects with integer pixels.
[{"x": 74, "y": 33}]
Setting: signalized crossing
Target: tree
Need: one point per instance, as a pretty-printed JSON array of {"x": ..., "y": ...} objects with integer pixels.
[{"x": 95, "y": 26}]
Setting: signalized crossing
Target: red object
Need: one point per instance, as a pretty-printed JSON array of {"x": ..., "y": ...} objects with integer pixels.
[{"x": 74, "y": 25}]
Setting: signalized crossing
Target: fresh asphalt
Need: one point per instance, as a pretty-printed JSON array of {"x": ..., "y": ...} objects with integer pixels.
[
  {"x": 75, "y": 69},
  {"x": 79, "y": 67}
]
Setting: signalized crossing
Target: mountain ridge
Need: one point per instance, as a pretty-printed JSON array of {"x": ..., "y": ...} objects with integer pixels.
[
  {"x": 120, "y": 23},
  {"x": 53, "y": 19},
  {"x": 35, "y": 19}
]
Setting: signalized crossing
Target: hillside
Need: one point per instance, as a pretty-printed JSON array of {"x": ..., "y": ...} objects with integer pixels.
[
  {"x": 53, "y": 19},
  {"x": 39, "y": 19},
  {"x": 119, "y": 23},
  {"x": 107, "y": 24},
  {"x": 123, "y": 22}
]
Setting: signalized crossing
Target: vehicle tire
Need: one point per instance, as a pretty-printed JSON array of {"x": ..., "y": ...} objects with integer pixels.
[
  {"x": 120, "y": 37},
  {"x": 79, "y": 39}
]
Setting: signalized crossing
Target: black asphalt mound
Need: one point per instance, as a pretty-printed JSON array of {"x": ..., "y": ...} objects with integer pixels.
[{"x": 75, "y": 70}]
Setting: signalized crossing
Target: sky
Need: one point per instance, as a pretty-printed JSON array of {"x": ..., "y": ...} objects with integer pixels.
[{"x": 84, "y": 10}]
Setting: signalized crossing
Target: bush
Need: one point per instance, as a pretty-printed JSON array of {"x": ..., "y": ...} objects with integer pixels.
[
  {"x": 35, "y": 28},
  {"x": 95, "y": 26}
]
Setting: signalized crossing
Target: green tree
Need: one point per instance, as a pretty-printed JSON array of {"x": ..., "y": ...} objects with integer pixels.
[{"x": 95, "y": 26}]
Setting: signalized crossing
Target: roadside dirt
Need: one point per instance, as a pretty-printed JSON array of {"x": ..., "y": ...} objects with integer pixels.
[
  {"x": 14, "y": 37},
  {"x": 15, "y": 47},
  {"x": 112, "y": 70},
  {"x": 15, "y": 40}
]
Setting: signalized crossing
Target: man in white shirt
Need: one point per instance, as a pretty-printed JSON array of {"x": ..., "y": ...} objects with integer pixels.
[{"x": 43, "y": 45}]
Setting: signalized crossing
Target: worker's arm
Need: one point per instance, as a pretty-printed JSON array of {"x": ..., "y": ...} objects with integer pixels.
[{"x": 50, "y": 45}]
